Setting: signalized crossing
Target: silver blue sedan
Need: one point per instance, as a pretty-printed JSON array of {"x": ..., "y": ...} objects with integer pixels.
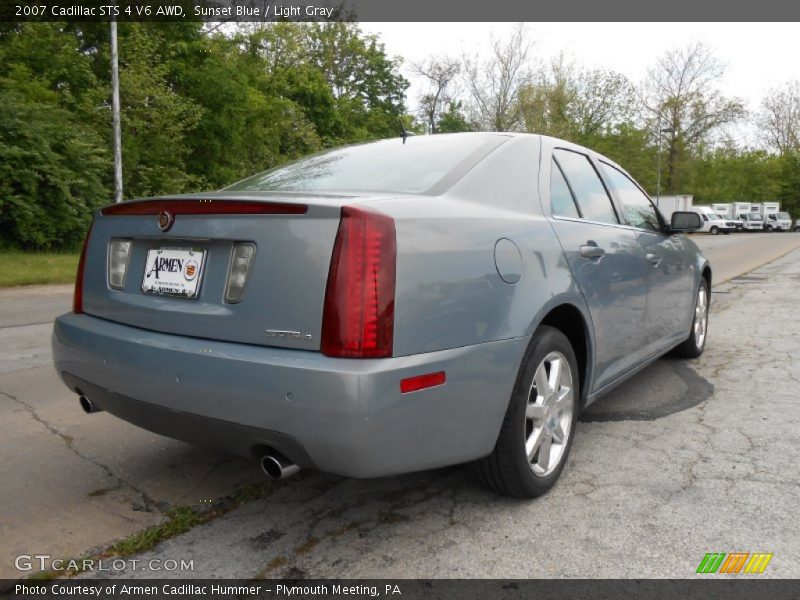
[{"x": 386, "y": 307}]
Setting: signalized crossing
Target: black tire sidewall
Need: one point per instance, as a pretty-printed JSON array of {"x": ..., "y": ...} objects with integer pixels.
[{"x": 547, "y": 339}]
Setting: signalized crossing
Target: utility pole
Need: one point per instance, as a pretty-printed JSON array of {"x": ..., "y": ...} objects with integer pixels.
[{"x": 115, "y": 113}]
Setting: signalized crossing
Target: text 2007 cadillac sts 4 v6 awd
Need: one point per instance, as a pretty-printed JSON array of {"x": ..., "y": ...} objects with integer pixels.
[{"x": 386, "y": 307}]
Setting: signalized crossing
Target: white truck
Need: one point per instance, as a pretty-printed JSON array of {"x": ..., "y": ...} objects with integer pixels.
[
  {"x": 751, "y": 217},
  {"x": 774, "y": 219},
  {"x": 670, "y": 204},
  {"x": 713, "y": 223}
]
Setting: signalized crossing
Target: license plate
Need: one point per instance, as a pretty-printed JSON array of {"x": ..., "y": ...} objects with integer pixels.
[{"x": 173, "y": 271}]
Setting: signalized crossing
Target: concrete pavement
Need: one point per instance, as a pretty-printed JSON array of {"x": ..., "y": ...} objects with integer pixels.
[
  {"x": 738, "y": 253},
  {"x": 74, "y": 482}
]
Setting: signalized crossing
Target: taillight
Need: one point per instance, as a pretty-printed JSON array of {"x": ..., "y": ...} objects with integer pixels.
[
  {"x": 358, "y": 318},
  {"x": 77, "y": 297}
]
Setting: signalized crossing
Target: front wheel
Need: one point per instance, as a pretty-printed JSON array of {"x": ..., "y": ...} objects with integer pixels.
[
  {"x": 769, "y": 228},
  {"x": 694, "y": 345},
  {"x": 714, "y": 230},
  {"x": 537, "y": 431}
]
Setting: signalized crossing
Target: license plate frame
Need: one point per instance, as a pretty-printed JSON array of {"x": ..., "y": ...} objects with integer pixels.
[{"x": 174, "y": 280}]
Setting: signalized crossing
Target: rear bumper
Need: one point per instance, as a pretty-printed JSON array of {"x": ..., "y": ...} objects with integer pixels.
[{"x": 338, "y": 415}]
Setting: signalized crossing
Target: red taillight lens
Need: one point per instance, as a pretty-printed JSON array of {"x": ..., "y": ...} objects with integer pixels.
[
  {"x": 358, "y": 318},
  {"x": 77, "y": 297}
]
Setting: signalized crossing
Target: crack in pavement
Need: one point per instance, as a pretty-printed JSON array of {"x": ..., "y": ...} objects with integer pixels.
[{"x": 148, "y": 503}]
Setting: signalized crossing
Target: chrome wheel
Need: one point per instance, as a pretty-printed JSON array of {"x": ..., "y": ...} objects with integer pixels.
[
  {"x": 701, "y": 317},
  {"x": 548, "y": 414}
]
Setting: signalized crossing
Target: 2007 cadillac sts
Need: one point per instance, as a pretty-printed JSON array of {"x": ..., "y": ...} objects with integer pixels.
[{"x": 386, "y": 307}]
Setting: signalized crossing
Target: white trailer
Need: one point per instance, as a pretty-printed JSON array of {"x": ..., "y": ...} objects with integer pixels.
[
  {"x": 723, "y": 209},
  {"x": 670, "y": 204}
]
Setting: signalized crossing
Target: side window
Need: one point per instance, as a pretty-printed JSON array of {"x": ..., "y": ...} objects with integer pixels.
[
  {"x": 561, "y": 201},
  {"x": 639, "y": 211},
  {"x": 591, "y": 196},
  {"x": 705, "y": 218}
]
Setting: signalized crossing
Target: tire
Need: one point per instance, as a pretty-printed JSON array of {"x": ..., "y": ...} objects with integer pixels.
[
  {"x": 768, "y": 228},
  {"x": 714, "y": 230},
  {"x": 694, "y": 345},
  {"x": 510, "y": 469}
]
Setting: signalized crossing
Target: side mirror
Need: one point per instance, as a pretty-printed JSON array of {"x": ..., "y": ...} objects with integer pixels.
[{"x": 685, "y": 221}]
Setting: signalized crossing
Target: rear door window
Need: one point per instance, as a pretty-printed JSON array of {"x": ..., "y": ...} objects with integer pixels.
[{"x": 590, "y": 193}]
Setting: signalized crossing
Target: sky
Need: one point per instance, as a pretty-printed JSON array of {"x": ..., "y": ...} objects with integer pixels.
[{"x": 758, "y": 56}]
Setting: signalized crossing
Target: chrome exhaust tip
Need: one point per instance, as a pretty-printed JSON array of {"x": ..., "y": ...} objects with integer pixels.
[
  {"x": 88, "y": 406},
  {"x": 277, "y": 466}
]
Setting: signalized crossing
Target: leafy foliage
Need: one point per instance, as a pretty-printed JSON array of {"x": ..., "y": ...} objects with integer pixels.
[
  {"x": 199, "y": 110},
  {"x": 52, "y": 163}
]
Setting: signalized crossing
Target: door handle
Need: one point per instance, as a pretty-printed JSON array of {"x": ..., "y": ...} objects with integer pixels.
[
  {"x": 653, "y": 258},
  {"x": 591, "y": 251}
]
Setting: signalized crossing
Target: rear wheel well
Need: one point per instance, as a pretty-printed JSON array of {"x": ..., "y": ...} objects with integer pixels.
[
  {"x": 569, "y": 321},
  {"x": 707, "y": 276}
]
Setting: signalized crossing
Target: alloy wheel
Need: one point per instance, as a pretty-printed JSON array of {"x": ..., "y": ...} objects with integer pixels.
[
  {"x": 548, "y": 414},
  {"x": 701, "y": 317}
]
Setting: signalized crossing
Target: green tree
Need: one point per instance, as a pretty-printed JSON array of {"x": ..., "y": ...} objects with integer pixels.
[
  {"x": 155, "y": 117},
  {"x": 453, "y": 120},
  {"x": 367, "y": 85},
  {"x": 789, "y": 182},
  {"x": 52, "y": 167},
  {"x": 681, "y": 95}
]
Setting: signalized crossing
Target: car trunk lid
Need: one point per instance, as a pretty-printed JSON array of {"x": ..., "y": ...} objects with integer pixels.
[{"x": 284, "y": 291}]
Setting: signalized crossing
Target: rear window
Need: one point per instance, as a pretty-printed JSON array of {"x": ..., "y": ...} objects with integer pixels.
[{"x": 427, "y": 164}]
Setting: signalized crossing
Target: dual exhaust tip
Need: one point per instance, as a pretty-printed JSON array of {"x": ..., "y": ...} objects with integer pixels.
[{"x": 275, "y": 465}]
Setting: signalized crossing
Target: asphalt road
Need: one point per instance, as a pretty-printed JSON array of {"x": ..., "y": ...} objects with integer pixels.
[{"x": 684, "y": 459}]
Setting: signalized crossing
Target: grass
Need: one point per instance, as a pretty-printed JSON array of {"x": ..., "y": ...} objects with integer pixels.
[
  {"x": 30, "y": 268},
  {"x": 179, "y": 520}
]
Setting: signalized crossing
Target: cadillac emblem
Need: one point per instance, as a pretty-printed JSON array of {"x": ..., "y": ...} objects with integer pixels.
[{"x": 165, "y": 220}]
